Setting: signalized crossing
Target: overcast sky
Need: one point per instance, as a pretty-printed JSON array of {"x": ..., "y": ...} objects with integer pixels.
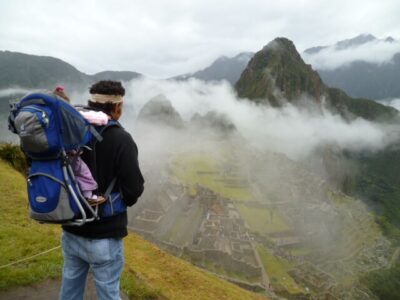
[{"x": 162, "y": 38}]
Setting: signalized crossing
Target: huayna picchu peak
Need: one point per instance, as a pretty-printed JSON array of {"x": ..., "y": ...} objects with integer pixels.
[
  {"x": 278, "y": 71},
  {"x": 277, "y": 74}
]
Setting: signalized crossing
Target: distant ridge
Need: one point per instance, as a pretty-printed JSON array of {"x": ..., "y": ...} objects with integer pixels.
[
  {"x": 348, "y": 43},
  {"x": 45, "y": 72},
  {"x": 33, "y": 71},
  {"x": 116, "y": 75},
  {"x": 224, "y": 68},
  {"x": 362, "y": 78}
]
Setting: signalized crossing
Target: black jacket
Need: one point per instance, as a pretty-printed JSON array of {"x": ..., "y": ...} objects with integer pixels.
[{"x": 116, "y": 156}]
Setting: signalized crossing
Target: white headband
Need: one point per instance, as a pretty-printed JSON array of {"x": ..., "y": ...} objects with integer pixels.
[{"x": 101, "y": 98}]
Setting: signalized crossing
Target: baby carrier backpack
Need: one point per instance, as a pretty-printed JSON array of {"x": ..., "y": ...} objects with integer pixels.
[{"x": 50, "y": 128}]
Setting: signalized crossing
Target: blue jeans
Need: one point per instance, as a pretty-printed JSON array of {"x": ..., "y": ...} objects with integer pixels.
[{"x": 104, "y": 256}]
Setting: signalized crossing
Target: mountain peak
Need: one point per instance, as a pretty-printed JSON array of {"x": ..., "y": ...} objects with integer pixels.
[
  {"x": 389, "y": 39},
  {"x": 159, "y": 110},
  {"x": 356, "y": 41},
  {"x": 281, "y": 44},
  {"x": 277, "y": 72}
]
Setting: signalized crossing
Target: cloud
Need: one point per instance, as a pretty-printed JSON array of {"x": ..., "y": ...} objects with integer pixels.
[
  {"x": 391, "y": 102},
  {"x": 289, "y": 130},
  {"x": 163, "y": 38},
  {"x": 14, "y": 91},
  {"x": 377, "y": 52}
]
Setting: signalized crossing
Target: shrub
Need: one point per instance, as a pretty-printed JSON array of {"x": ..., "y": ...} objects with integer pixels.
[{"x": 14, "y": 156}]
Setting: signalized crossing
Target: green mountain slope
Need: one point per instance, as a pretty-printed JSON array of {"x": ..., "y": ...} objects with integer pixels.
[
  {"x": 278, "y": 71},
  {"x": 44, "y": 72},
  {"x": 149, "y": 273},
  {"x": 31, "y": 71}
]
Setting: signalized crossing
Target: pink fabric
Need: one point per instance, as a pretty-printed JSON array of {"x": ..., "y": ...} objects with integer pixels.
[
  {"x": 95, "y": 117},
  {"x": 83, "y": 176},
  {"x": 60, "y": 88}
]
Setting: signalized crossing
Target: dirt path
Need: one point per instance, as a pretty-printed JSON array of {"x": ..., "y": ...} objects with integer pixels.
[{"x": 48, "y": 290}]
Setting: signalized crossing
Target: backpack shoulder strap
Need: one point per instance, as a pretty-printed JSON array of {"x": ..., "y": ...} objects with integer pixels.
[
  {"x": 110, "y": 188},
  {"x": 97, "y": 131},
  {"x": 111, "y": 123}
]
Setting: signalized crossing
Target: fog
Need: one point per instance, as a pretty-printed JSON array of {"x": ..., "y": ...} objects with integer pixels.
[
  {"x": 288, "y": 159},
  {"x": 376, "y": 51},
  {"x": 14, "y": 91},
  {"x": 290, "y": 130},
  {"x": 391, "y": 102}
]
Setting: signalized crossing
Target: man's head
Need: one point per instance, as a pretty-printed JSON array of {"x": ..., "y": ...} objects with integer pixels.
[{"x": 107, "y": 96}]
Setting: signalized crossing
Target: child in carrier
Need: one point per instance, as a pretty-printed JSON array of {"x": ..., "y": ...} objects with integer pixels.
[{"x": 82, "y": 173}]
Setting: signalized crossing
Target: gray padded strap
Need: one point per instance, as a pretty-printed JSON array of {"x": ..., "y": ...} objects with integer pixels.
[
  {"x": 110, "y": 187},
  {"x": 95, "y": 133}
]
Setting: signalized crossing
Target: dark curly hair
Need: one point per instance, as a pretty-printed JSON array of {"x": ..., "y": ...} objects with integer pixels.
[{"x": 106, "y": 87}]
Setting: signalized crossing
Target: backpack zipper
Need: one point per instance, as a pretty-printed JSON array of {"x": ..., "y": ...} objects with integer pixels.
[{"x": 43, "y": 119}]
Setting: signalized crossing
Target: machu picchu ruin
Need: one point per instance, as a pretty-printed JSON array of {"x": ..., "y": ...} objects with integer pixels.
[{"x": 286, "y": 233}]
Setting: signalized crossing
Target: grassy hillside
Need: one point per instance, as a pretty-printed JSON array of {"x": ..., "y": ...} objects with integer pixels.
[
  {"x": 21, "y": 237},
  {"x": 149, "y": 272},
  {"x": 32, "y": 71},
  {"x": 175, "y": 278},
  {"x": 385, "y": 283}
]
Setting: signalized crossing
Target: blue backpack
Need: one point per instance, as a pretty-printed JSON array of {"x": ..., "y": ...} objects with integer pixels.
[{"x": 49, "y": 128}]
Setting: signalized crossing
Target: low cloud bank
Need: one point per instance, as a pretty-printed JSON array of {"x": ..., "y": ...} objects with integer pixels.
[
  {"x": 376, "y": 52},
  {"x": 14, "y": 91},
  {"x": 391, "y": 102},
  {"x": 290, "y": 130}
]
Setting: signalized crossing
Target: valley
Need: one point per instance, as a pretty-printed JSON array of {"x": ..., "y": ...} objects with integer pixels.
[{"x": 270, "y": 227}]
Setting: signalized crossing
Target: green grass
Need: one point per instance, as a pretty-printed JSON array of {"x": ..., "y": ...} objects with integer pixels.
[
  {"x": 136, "y": 288},
  {"x": 384, "y": 283},
  {"x": 205, "y": 170},
  {"x": 177, "y": 279},
  {"x": 277, "y": 270},
  {"x": 262, "y": 220},
  {"x": 241, "y": 276},
  {"x": 299, "y": 251},
  {"x": 21, "y": 237}
]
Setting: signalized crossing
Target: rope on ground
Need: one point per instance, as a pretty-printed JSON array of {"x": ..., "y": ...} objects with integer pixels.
[{"x": 29, "y": 258}]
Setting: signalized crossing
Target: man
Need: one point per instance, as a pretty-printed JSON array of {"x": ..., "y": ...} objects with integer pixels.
[{"x": 98, "y": 245}]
